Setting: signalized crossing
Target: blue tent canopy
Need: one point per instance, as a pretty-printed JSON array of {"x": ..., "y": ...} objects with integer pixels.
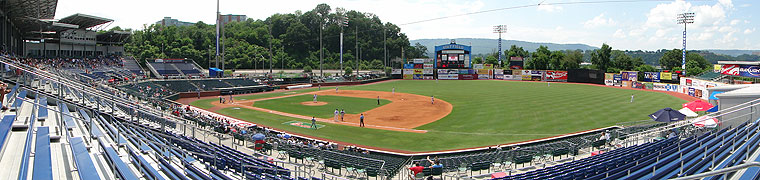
[
  {"x": 712, "y": 95},
  {"x": 667, "y": 115}
]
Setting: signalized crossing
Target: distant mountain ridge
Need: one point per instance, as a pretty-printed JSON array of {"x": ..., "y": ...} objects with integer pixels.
[{"x": 483, "y": 46}]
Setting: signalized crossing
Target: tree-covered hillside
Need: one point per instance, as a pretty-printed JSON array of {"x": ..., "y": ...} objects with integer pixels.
[{"x": 292, "y": 38}]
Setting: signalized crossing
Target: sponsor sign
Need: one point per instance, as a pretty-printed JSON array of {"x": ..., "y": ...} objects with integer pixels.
[
  {"x": 498, "y": 76},
  {"x": 418, "y": 61},
  {"x": 453, "y": 71},
  {"x": 417, "y": 76},
  {"x": 408, "y": 76},
  {"x": 442, "y": 71},
  {"x": 516, "y": 72},
  {"x": 428, "y": 71},
  {"x": 408, "y": 71},
  {"x": 617, "y": 77},
  {"x": 484, "y": 71},
  {"x": 536, "y": 73},
  {"x": 302, "y": 124},
  {"x": 666, "y": 76},
  {"x": 396, "y": 71},
  {"x": 484, "y": 76},
  {"x": 556, "y": 75},
  {"x": 507, "y": 77},
  {"x": 418, "y": 66},
  {"x": 427, "y": 66},
  {"x": 609, "y": 82},
  {"x": 665, "y": 87},
  {"x": 717, "y": 68},
  {"x": 477, "y": 66},
  {"x": 427, "y": 77},
  {"x": 741, "y": 70},
  {"x": 652, "y": 76},
  {"x": 463, "y": 71},
  {"x": 508, "y": 71},
  {"x": 467, "y": 76},
  {"x": 417, "y": 71},
  {"x": 609, "y": 76},
  {"x": 499, "y": 72},
  {"x": 487, "y": 66},
  {"x": 408, "y": 66},
  {"x": 630, "y": 75},
  {"x": 527, "y": 77}
]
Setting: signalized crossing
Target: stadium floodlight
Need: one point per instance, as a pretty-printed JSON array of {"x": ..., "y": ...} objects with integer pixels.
[
  {"x": 684, "y": 18},
  {"x": 500, "y": 29},
  {"x": 343, "y": 22}
]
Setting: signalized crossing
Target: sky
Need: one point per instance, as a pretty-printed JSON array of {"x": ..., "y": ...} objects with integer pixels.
[{"x": 622, "y": 24}]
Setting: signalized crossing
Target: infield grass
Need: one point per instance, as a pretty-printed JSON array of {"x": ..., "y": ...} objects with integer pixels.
[
  {"x": 489, "y": 113},
  {"x": 352, "y": 105}
]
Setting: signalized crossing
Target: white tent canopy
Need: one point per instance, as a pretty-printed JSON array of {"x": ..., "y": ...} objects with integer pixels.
[{"x": 688, "y": 112}]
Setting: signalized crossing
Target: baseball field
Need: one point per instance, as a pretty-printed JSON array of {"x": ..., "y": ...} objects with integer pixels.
[{"x": 465, "y": 114}]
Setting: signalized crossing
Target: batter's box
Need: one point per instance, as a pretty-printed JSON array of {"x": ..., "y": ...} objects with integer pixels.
[{"x": 302, "y": 124}]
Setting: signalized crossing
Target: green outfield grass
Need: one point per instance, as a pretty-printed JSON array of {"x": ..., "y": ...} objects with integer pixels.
[
  {"x": 489, "y": 113},
  {"x": 351, "y": 105}
]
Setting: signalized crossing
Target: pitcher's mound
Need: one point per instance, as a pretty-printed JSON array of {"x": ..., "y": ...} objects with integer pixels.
[{"x": 312, "y": 103}]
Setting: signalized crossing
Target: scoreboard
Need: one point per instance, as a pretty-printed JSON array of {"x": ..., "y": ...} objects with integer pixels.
[{"x": 453, "y": 56}]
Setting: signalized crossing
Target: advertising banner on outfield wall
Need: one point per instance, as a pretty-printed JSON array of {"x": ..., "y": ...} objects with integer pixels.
[
  {"x": 609, "y": 76},
  {"x": 417, "y": 71},
  {"x": 666, "y": 76},
  {"x": 408, "y": 66},
  {"x": 418, "y": 66},
  {"x": 408, "y": 76},
  {"x": 484, "y": 71},
  {"x": 427, "y": 66},
  {"x": 467, "y": 76},
  {"x": 408, "y": 71},
  {"x": 484, "y": 76},
  {"x": 556, "y": 75},
  {"x": 396, "y": 71},
  {"x": 665, "y": 87},
  {"x": 487, "y": 66},
  {"x": 426, "y": 77},
  {"x": 463, "y": 71},
  {"x": 527, "y": 77},
  {"x": 508, "y": 71},
  {"x": 417, "y": 76},
  {"x": 630, "y": 75},
  {"x": 477, "y": 66},
  {"x": 442, "y": 71},
  {"x": 741, "y": 70},
  {"x": 428, "y": 71},
  {"x": 499, "y": 72},
  {"x": 419, "y": 61},
  {"x": 507, "y": 77},
  {"x": 697, "y": 88},
  {"x": 652, "y": 76}
]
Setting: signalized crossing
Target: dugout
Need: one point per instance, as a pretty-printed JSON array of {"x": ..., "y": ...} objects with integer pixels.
[
  {"x": 585, "y": 76},
  {"x": 453, "y": 56}
]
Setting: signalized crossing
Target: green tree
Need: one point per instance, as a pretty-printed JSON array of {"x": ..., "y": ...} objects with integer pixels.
[
  {"x": 644, "y": 68},
  {"x": 540, "y": 59},
  {"x": 624, "y": 61},
  {"x": 491, "y": 60},
  {"x": 572, "y": 60},
  {"x": 556, "y": 60},
  {"x": 348, "y": 70},
  {"x": 416, "y": 51},
  {"x": 601, "y": 57},
  {"x": 515, "y": 51},
  {"x": 671, "y": 59},
  {"x": 477, "y": 60}
]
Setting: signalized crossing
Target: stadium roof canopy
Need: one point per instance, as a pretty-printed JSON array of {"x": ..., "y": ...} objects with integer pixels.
[
  {"x": 84, "y": 21},
  {"x": 28, "y": 15},
  {"x": 113, "y": 37}
]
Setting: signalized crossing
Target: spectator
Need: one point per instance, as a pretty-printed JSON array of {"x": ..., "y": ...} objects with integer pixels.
[
  {"x": 416, "y": 169},
  {"x": 436, "y": 163}
]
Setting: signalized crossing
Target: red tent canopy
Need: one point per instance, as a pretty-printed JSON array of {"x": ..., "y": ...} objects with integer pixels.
[{"x": 698, "y": 105}]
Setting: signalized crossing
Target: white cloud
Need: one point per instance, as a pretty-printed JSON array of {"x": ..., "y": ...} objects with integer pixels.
[
  {"x": 704, "y": 36},
  {"x": 549, "y": 8},
  {"x": 745, "y": 5},
  {"x": 749, "y": 31},
  {"x": 598, "y": 21},
  {"x": 619, "y": 34},
  {"x": 735, "y": 22}
]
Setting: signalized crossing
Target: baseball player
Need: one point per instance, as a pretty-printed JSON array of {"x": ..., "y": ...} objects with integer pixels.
[
  {"x": 335, "y": 115},
  {"x": 342, "y": 113},
  {"x": 361, "y": 120},
  {"x": 313, "y": 123},
  {"x": 631, "y": 97},
  {"x": 432, "y": 99},
  {"x": 315, "y": 98},
  {"x": 393, "y": 91}
]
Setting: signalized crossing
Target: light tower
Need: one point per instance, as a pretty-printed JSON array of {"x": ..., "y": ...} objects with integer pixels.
[
  {"x": 500, "y": 29},
  {"x": 684, "y": 18},
  {"x": 343, "y": 23}
]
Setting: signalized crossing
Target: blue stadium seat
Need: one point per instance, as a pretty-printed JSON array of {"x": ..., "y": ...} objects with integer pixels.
[
  {"x": 122, "y": 169},
  {"x": 43, "y": 164},
  {"x": 17, "y": 102},
  {"x": 68, "y": 121},
  {"x": 5, "y": 129},
  {"x": 42, "y": 110},
  {"x": 85, "y": 166}
]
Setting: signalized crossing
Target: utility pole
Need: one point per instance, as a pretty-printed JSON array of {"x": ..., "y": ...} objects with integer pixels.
[
  {"x": 321, "y": 72},
  {"x": 684, "y": 18},
  {"x": 500, "y": 29},
  {"x": 385, "y": 51},
  {"x": 357, "y": 48},
  {"x": 270, "y": 49}
]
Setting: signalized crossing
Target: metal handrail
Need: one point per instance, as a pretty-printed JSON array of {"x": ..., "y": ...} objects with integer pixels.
[{"x": 720, "y": 171}]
